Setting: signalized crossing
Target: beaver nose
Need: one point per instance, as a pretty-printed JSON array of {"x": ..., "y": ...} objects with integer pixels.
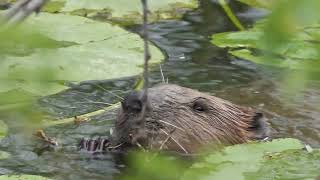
[{"x": 132, "y": 102}]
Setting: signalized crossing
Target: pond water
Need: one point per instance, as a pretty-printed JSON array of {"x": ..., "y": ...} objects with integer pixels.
[{"x": 192, "y": 61}]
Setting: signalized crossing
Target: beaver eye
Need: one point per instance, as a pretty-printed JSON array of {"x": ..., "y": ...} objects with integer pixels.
[{"x": 198, "y": 107}]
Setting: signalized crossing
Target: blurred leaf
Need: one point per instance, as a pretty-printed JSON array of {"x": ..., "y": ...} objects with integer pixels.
[
  {"x": 289, "y": 165},
  {"x": 301, "y": 52},
  {"x": 153, "y": 166},
  {"x": 283, "y": 158},
  {"x": 3, "y": 130},
  {"x": 234, "y": 162}
]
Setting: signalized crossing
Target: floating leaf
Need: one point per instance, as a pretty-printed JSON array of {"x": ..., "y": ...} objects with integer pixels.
[
  {"x": 95, "y": 51},
  {"x": 235, "y": 161},
  {"x": 128, "y": 11},
  {"x": 22, "y": 177},
  {"x": 3, "y": 129},
  {"x": 4, "y": 155}
]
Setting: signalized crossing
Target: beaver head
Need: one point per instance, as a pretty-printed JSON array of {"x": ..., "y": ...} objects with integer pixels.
[{"x": 182, "y": 120}]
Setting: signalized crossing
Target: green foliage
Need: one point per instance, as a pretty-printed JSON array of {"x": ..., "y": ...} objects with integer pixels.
[
  {"x": 235, "y": 161},
  {"x": 288, "y": 38},
  {"x": 127, "y": 11},
  {"x": 96, "y": 55},
  {"x": 301, "y": 52},
  {"x": 289, "y": 165},
  {"x": 144, "y": 165},
  {"x": 3, "y": 129},
  {"x": 278, "y": 159}
]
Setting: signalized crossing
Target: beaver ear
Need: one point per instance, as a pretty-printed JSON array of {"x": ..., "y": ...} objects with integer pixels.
[{"x": 259, "y": 127}]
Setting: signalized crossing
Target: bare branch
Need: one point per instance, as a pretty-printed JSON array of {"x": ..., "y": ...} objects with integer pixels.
[
  {"x": 147, "y": 57},
  {"x": 21, "y": 10}
]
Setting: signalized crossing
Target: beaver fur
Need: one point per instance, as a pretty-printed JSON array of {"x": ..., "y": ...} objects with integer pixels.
[{"x": 185, "y": 120}]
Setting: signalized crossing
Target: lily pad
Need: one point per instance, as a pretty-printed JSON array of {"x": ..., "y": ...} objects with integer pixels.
[
  {"x": 129, "y": 10},
  {"x": 277, "y": 159},
  {"x": 234, "y": 162},
  {"x": 95, "y": 51},
  {"x": 3, "y": 129},
  {"x": 23, "y": 177},
  {"x": 4, "y": 155}
]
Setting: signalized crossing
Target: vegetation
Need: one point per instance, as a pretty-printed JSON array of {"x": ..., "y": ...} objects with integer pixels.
[{"x": 53, "y": 50}]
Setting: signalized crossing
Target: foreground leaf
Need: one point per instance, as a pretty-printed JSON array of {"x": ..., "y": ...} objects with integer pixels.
[
  {"x": 3, "y": 129},
  {"x": 234, "y": 162}
]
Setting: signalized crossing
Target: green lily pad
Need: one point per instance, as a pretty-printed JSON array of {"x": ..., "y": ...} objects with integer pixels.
[
  {"x": 3, "y": 129},
  {"x": 234, "y": 162},
  {"x": 4, "y": 155},
  {"x": 23, "y": 177},
  {"x": 129, "y": 10},
  {"x": 277, "y": 159},
  {"x": 95, "y": 51}
]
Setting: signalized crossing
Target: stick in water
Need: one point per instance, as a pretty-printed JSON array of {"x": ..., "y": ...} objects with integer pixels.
[
  {"x": 21, "y": 10},
  {"x": 147, "y": 56}
]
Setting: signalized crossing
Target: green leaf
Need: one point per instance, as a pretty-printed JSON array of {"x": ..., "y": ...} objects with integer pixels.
[
  {"x": 301, "y": 52},
  {"x": 4, "y": 155},
  {"x": 234, "y": 162},
  {"x": 3, "y": 129},
  {"x": 22, "y": 177},
  {"x": 289, "y": 165},
  {"x": 95, "y": 51},
  {"x": 128, "y": 10}
]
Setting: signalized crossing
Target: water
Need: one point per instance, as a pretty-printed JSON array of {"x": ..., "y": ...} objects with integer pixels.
[{"x": 192, "y": 62}]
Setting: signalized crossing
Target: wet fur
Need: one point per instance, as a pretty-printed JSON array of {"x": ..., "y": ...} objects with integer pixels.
[{"x": 173, "y": 122}]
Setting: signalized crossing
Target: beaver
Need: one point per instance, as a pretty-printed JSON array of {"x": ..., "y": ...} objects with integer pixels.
[{"x": 185, "y": 120}]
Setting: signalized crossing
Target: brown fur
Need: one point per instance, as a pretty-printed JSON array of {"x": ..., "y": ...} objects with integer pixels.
[{"x": 184, "y": 120}]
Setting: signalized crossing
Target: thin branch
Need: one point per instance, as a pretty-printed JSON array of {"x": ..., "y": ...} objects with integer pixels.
[
  {"x": 21, "y": 10},
  {"x": 175, "y": 141},
  {"x": 162, "y": 76},
  {"x": 172, "y": 125},
  {"x": 147, "y": 57}
]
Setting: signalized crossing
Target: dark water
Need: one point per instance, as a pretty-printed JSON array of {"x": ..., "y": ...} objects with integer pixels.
[{"x": 192, "y": 62}]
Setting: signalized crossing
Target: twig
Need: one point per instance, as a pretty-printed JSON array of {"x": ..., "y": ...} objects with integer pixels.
[
  {"x": 166, "y": 140},
  {"x": 175, "y": 141},
  {"x": 144, "y": 98},
  {"x": 162, "y": 76},
  {"x": 21, "y": 10},
  {"x": 172, "y": 125}
]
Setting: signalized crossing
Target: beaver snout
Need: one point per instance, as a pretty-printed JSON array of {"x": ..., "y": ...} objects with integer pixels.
[
  {"x": 130, "y": 126},
  {"x": 132, "y": 102}
]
